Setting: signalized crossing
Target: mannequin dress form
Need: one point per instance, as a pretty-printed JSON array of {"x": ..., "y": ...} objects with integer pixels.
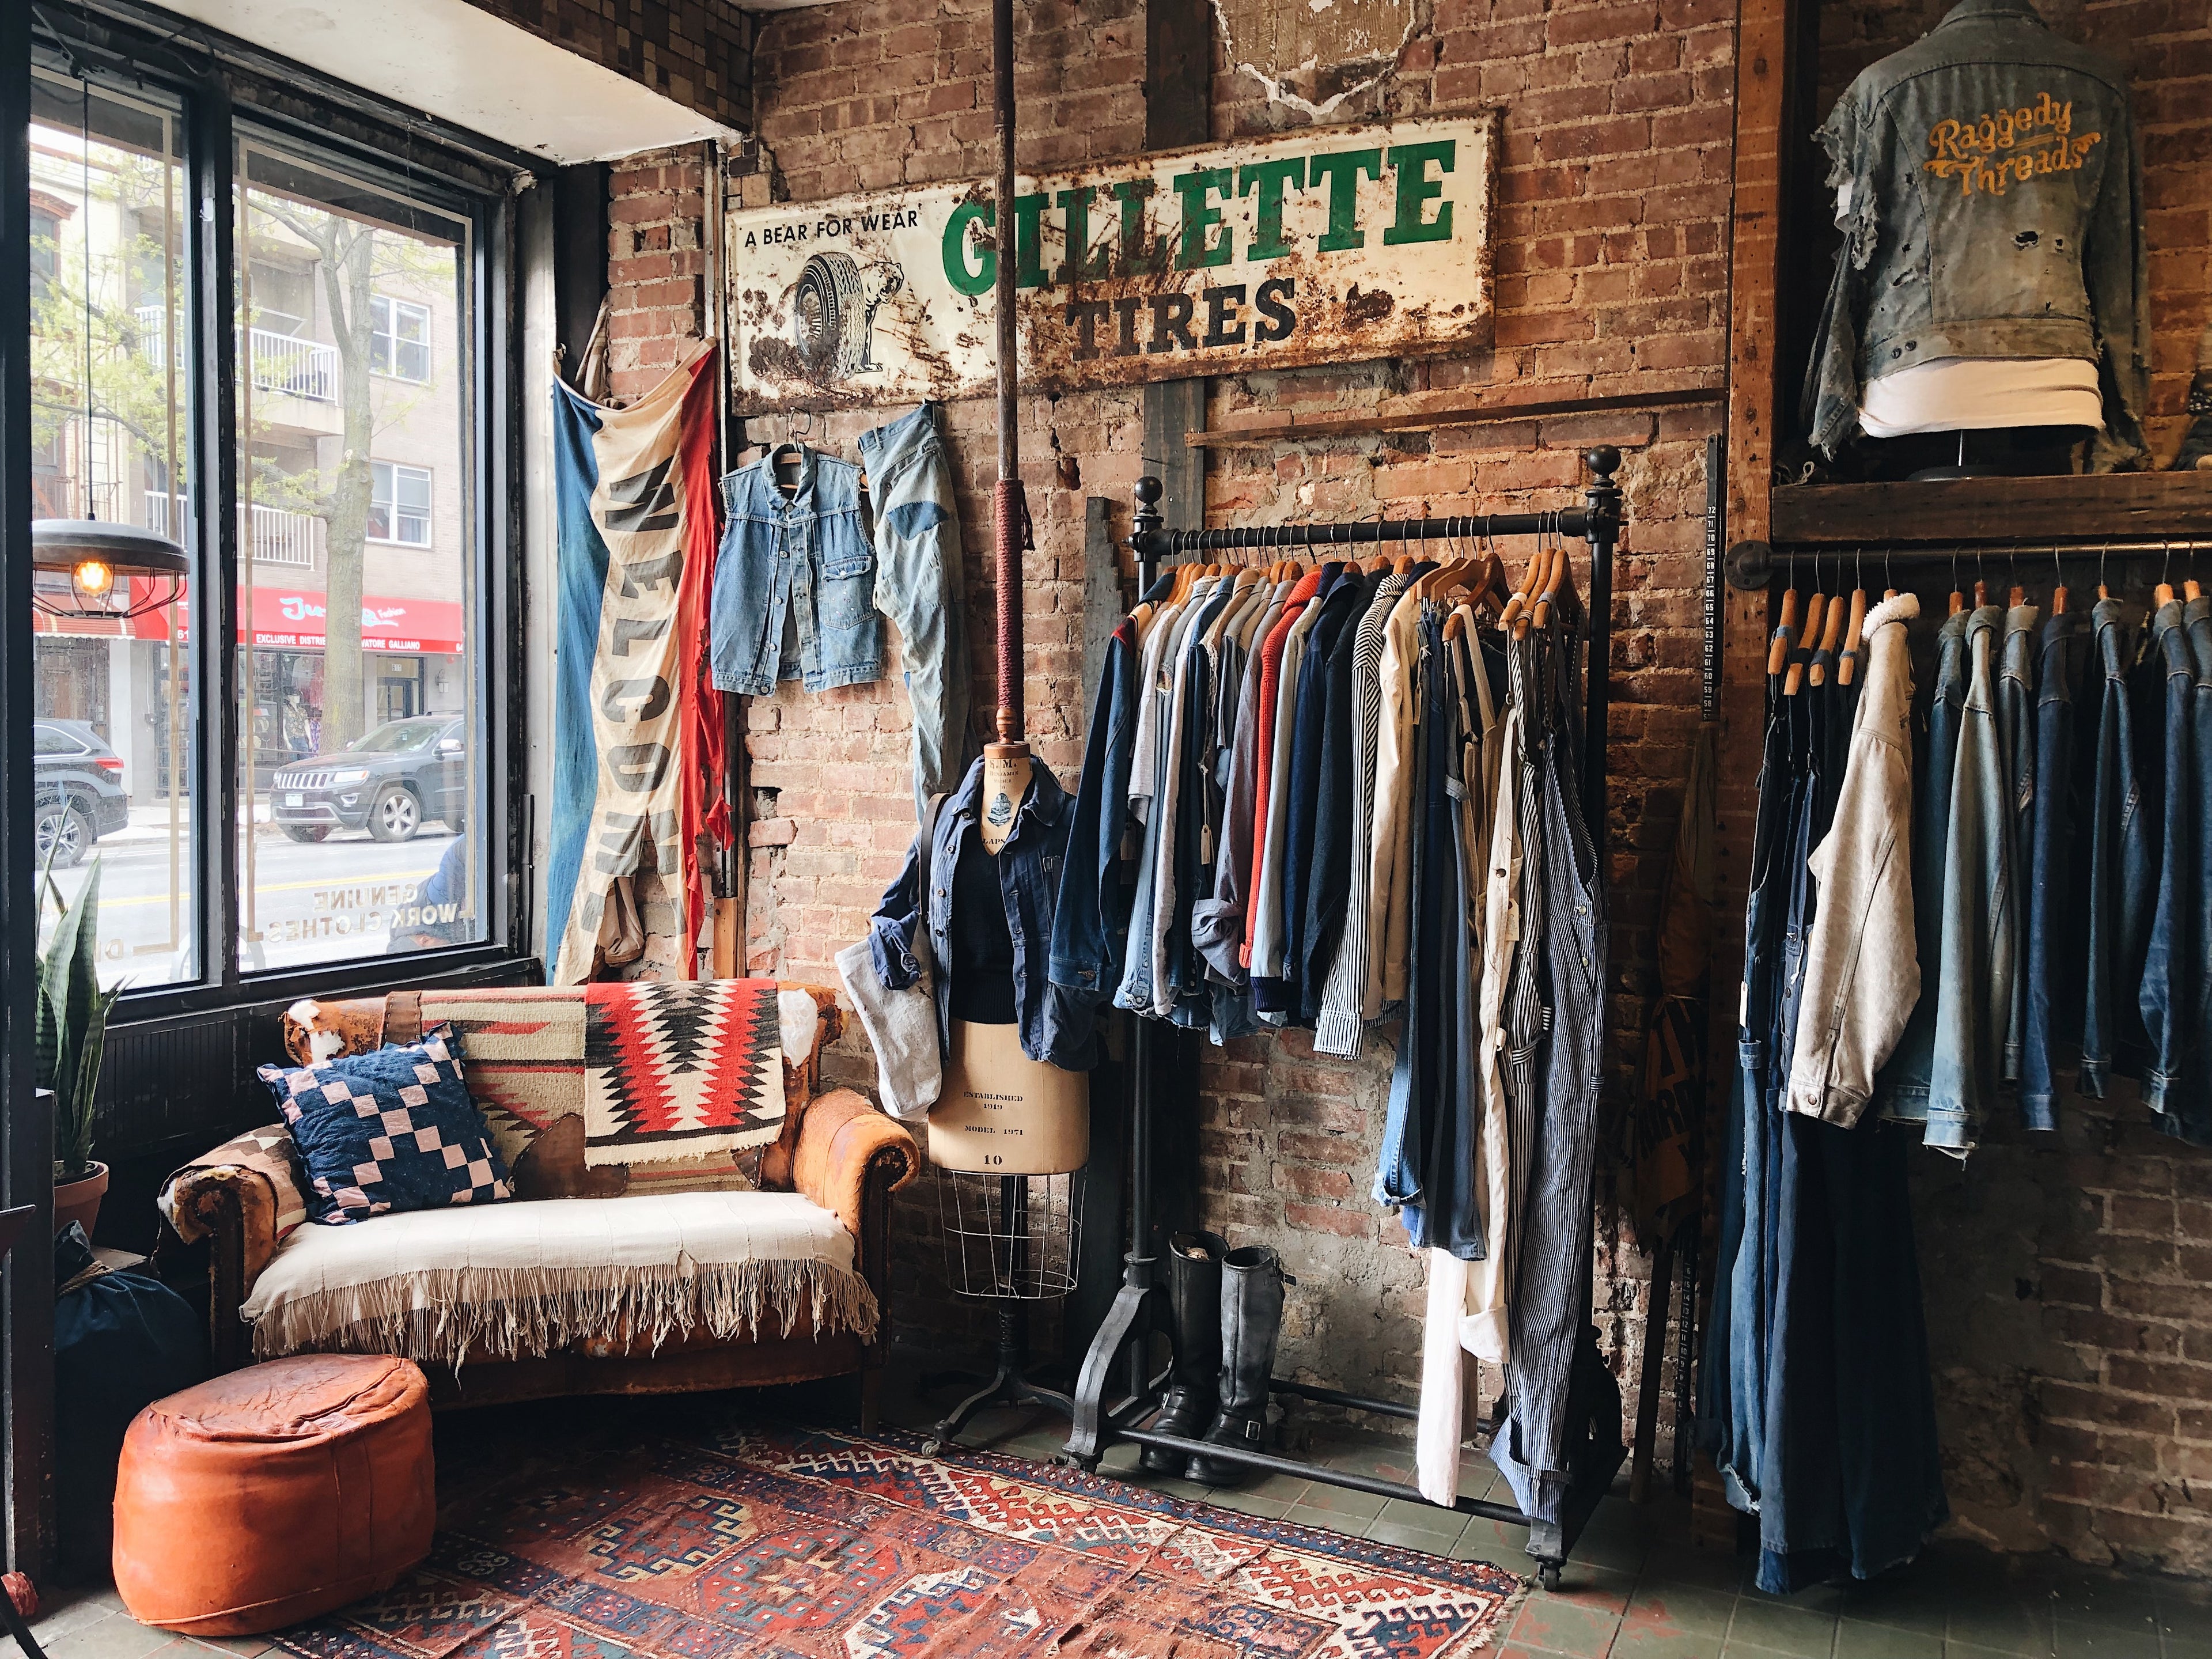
[{"x": 1002, "y": 1113}]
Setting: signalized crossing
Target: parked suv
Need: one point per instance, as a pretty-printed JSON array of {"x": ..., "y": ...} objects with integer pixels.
[
  {"x": 80, "y": 795},
  {"x": 385, "y": 782}
]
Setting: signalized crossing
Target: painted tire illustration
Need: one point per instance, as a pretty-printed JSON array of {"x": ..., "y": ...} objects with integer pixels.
[{"x": 829, "y": 316}]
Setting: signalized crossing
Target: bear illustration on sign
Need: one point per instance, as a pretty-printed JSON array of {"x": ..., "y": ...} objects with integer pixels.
[{"x": 833, "y": 314}]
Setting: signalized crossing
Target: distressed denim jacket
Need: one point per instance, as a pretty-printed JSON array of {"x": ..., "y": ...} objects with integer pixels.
[
  {"x": 1056, "y": 1024},
  {"x": 801, "y": 559},
  {"x": 1995, "y": 210}
]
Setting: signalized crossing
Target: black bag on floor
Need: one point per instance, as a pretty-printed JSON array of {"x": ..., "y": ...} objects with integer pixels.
[{"x": 122, "y": 1340}]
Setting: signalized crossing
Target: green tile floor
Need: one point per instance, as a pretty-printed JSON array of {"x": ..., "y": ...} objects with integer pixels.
[{"x": 1634, "y": 1588}]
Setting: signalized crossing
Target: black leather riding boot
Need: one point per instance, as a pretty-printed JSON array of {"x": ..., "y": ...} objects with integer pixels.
[
  {"x": 1194, "y": 1305},
  {"x": 1252, "y": 1282}
]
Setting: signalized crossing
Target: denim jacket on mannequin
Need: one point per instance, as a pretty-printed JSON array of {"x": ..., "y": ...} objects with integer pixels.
[
  {"x": 1995, "y": 210},
  {"x": 795, "y": 583},
  {"x": 1056, "y": 1024}
]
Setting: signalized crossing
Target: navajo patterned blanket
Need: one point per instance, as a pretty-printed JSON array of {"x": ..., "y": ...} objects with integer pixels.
[{"x": 676, "y": 1071}]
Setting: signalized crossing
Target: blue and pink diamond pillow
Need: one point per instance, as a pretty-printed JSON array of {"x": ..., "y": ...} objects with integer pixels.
[{"x": 392, "y": 1129}]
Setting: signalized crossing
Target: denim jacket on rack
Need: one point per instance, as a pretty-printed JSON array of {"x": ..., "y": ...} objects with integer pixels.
[
  {"x": 1091, "y": 922},
  {"x": 2123, "y": 859},
  {"x": 799, "y": 559},
  {"x": 1056, "y": 1025},
  {"x": 1995, "y": 210},
  {"x": 2173, "y": 965}
]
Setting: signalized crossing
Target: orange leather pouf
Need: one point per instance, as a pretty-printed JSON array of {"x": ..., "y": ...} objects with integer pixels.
[{"x": 274, "y": 1494}]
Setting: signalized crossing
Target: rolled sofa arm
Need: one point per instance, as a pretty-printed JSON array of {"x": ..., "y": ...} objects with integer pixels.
[
  {"x": 244, "y": 1198},
  {"x": 843, "y": 1141}
]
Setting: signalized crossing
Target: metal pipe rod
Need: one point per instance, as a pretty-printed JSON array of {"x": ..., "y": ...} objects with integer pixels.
[
  {"x": 1334, "y": 1397},
  {"x": 1009, "y": 513},
  {"x": 1574, "y": 523},
  {"x": 1002, "y": 231},
  {"x": 1854, "y": 553},
  {"x": 1754, "y": 565},
  {"x": 1347, "y": 1478}
]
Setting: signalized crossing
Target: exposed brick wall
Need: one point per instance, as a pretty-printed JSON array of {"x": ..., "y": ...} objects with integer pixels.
[
  {"x": 656, "y": 265},
  {"x": 2065, "y": 1287},
  {"x": 698, "y": 52},
  {"x": 1614, "y": 202},
  {"x": 2068, "y": 1308}
]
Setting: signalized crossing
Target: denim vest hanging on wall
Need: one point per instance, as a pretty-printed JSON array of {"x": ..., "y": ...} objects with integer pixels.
[{"x": 795, "y": 586}]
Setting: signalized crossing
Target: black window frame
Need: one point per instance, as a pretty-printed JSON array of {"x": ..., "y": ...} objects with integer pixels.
[{"x": 227, "y": 88}]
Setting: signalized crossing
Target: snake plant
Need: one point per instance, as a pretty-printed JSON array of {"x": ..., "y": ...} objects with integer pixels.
[{"x": 70, "y": 1030}]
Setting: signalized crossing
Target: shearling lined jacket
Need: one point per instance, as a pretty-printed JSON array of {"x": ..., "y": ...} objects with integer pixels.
[
  {"x": 1862, "y": 968},
  {"x": 1995, "y": 210}
]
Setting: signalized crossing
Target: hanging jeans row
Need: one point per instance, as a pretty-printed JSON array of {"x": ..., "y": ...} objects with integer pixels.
[{"x": 1816, "y": 1399}]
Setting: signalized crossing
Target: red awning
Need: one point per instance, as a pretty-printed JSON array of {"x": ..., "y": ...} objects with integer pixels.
[{"x": 288, "y": 619}]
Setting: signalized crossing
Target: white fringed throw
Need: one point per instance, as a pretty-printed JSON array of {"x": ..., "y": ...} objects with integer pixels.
[{"x": 528, "y": 1279}]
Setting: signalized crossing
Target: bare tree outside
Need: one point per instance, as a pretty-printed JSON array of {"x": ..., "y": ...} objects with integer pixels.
[{"x": 353, "y": 257}]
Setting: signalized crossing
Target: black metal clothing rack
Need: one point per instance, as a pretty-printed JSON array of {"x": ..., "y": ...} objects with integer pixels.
[
  {"x": 1593, "y": 1437},
  {"x": 1754, "y": 565}
]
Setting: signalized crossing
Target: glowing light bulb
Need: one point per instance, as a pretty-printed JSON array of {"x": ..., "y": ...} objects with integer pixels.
[{"x": 92, "y": 578}]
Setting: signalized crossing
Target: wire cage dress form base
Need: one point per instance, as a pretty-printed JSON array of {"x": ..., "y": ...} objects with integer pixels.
[{"x": 1013, "y": 1240}]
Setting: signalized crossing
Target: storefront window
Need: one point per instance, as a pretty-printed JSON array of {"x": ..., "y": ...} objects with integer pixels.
[
  {"x": 291, "y": 757},
  {"x": 114, "y": 716},
  {"x": 357, "y": 589}
]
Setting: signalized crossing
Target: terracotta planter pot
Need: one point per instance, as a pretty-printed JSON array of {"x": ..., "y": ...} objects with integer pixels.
[{"x": 79, "y": 1200}]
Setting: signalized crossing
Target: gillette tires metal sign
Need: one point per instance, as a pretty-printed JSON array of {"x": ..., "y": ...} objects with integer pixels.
[{"x": 1331, "y": 245}]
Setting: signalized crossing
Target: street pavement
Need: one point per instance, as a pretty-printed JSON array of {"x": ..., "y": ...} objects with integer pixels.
[{"x": 332, "y": 901}]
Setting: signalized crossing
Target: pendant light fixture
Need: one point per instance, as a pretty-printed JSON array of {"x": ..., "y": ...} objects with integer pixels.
[{"x": 100, "y": 557}]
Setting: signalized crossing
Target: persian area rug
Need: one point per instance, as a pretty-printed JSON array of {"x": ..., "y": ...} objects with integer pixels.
[{"x": 771, "y": 1542}]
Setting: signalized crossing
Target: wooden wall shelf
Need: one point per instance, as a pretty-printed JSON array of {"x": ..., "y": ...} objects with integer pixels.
[
  {"x": 1519, "y": 400},
  {"x": 2116, "y": 505}
]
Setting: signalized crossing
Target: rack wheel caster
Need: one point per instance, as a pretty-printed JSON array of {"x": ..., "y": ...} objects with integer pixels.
[
  {"x": 1547, "y": 1574},
  {"x": 931, "y": 1446}
]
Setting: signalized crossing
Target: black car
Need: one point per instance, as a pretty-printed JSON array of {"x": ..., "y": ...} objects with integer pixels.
[
  {"x": 385, "y": 782},
  {"x": 81, "y": 795}
]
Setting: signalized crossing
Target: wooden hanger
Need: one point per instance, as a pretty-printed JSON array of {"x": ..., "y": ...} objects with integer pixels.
[
  {"x": 777, "y": 464},
  {"x": 1561, "y": 575},
  {"x": 1853, "y": 635},
  {"x": 1830, "y": 635},
  {"x": 2190, "y": 590},
  {"x": 1486, "y": 577},
  {"x": 1514, "y": 616},
  {"x": 1777, "y": 649},
  {"x": 1815, "y": 614},
  {"x": 1517, "y": 608}
]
